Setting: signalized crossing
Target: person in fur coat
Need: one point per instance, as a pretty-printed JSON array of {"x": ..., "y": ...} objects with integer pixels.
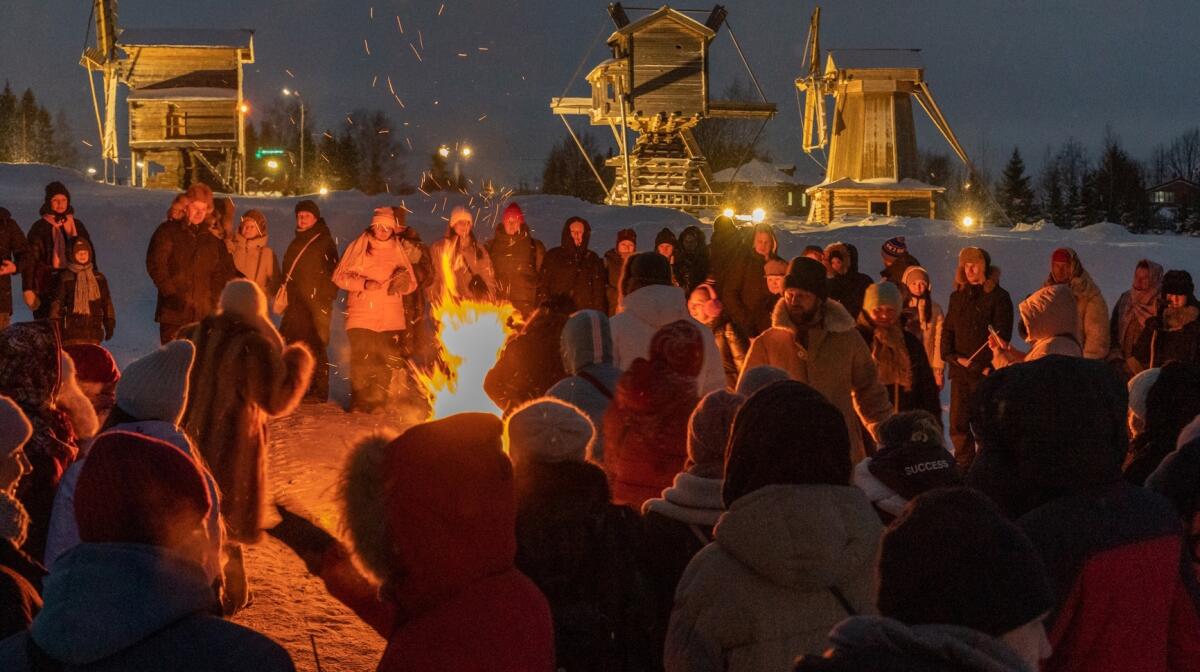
[
  {"x": 243, "y": 375},
  {"x": 645, "y": 428},
  {"x": 1174, "y": 333},
  {"x": 252, "y": 254}
]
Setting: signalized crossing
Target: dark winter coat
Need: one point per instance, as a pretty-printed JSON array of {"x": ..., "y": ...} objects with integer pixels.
[
  {"x": 530, "y": 363},
  {"x": 118, "y": 607},
  {"x": 20, "y": 584},
  {"x": 13, "y": 247},
  {"x": 190, "y": 267},
  {"x": 877, "y": 644},
  {"x": 725, "y": 249},
  {"x": 576, "y": 272},
  {"x": 240, "y": 379},
  {"x": 101, "y": 320},
  {"x": 895, "y": 272},
  {"x": 1173, "y": 335},
  {"x": 582, "y": 552},
  {"x": 38, "y": 273},
  {"x": 965, "y": 329},
  {"x": 31, "y": 377},
  {"x": 613, "y": 265},
  {"x": 924, "y": 394},
  {"x": 310, "y": 290},
  {"x": 691, "y": 267},
  {"x": 516, "y": 261},
  {"x": 848, "y": 289}
]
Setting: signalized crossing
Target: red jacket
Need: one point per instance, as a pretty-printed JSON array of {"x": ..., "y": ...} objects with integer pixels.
[{"x": 1128, "y": 598}]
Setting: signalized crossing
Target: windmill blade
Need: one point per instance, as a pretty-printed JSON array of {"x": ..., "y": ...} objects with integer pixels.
[{"x": 814, "y": 136}]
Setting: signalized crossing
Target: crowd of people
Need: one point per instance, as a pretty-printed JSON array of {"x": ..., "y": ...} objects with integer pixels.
[{"x": 709, "y": 458}]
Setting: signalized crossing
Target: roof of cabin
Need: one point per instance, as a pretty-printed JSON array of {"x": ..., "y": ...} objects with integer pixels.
[
  {"x": 876, "y": 184},
  {"x": 756, "y": 173},
  {"x": 661, "y": 13},
  {"x": 185, "y": 37},
  {"x": 874, "y": 59}
]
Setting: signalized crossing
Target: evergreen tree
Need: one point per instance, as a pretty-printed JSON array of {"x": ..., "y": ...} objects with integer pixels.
[
  {"x": 437, "y": 178},
  {"x": 8, "y": 123},
  {"x": 1119, "y": 187},
  {"x": 64, "y": 141},
  {"x": 345, "y": 161},
  {"x": 1015, "y": 194},
  {"x": 566, "y": 170},
  {"x": 25, "y": 128}
]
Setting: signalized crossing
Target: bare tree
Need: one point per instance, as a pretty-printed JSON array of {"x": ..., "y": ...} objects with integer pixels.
[{"x": 728, "y": 143}]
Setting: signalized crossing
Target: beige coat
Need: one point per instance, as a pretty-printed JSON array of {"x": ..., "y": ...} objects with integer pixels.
[
  {"x": 388, "y": 262},
  {"x": 764, "y": 591},
  {"x": 1094, "y": 330},
  {"x": 837, "y": 363},
  {"x": 930, "y": 334}
]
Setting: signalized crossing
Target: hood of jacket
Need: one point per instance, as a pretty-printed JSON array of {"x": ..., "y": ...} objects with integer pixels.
[
  {"x": 806, "y": 537},
  {"x": 834, "y": 319},
  {"x": 1049, "y": 312},
  {"x": 568, "y": 243},
  {"x": 932, "y": 647},
  {"x": 692, "y": 233},
  {"x": 558, "y": 491},
  {"x": 104, "y": 598},
  {"x": 656, "y": 305},
  {"x": 586, "y": 340},
  {"x": 31, "y": 374}
]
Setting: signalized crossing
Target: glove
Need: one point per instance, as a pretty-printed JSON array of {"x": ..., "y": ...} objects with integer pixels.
[{"x": 307, "y": 540}]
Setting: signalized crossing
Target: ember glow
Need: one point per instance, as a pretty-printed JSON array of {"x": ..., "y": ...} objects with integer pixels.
[{"x": 470, "y": 334}]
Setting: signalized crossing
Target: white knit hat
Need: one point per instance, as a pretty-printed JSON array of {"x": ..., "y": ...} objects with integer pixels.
[
  {"x": 155, "y": 387},
  {"x": 548, "y": 430},
  {"x": 1139, "y": 390},
  {"x": 14, "y": 427},
  {"x": 243, "y": 298}
]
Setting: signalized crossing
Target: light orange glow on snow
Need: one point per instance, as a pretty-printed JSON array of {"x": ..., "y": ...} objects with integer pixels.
[{"x": 470, "y": 334}]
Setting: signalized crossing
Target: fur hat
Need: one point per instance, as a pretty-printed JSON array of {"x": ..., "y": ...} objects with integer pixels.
[
  {"x": 308, "y": 206},
  {"x": 986, "y": 574},
  {"x": 138, "y": 490},
  {"x": 882, "y": 293},
  {"x": 775, "y": 267},
  {"x": 57, "y": 188},
  {"x": 155, "y": 387},
  {"x": 627, "y": 234},
  {"x": 763, "y": 445},
  {"x": 974, "y": 255},
  {"x": 15, "y": 429},
  {"x": 708, "y": 433},
  {"x": 243, "y": 298},
  {"x": 840, "y": 251},
  {"x": 895, "y": 247},
  {"x": 548, "y": 430},
  {"x": 1178, "y": 283},
  {"x": 809, "y": 275},
  {"x": 756, "y": 378},
  {"x": 1139, "y": 390}
]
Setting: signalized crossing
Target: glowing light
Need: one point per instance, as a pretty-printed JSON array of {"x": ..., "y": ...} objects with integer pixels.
[
  {"x": 287, "y": 92},
  {"x": 728, "y": 212},
  {"x": 141, "y": 164},
  {"x": 91, "y": 171},
  {"x": 272, "y": 164},
  {"x": 444, "y": 151},
  {"x": 244, "y": 108},
  {"x": 759, "y": 215},
  {"x": 471, "y": 334},
  {"x": 323, "y": 190},
  {"x": 466, "y": 152},
  {"x": 968, "y": 222}
]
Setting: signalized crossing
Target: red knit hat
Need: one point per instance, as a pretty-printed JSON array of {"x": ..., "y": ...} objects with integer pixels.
[
  {"x": 135, "y": 489},
  {"x": 1061, "y": 256},
  {"x": 93, "y": 364},
  {"x": 513, "y": 210},
  {"x": 680, "y": 347}
]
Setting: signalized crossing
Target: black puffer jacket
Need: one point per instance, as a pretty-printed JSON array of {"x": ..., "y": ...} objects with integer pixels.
[
  {"x": 190, "y": 267},
  {"x": 516, "y": 261},
  {"x": 575, "y": 271},
  {"x": 530, "y": 363},
  {"x": 310, "y": 290},
  {"x": 582, "y": 552}
]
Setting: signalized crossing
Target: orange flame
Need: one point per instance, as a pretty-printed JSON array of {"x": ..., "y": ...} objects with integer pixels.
[{"x": 471, "y": 334}]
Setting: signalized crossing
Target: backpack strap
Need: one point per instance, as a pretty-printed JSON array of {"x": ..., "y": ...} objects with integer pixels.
[
  {"x": 841, "y": 598},
  {"x": 595, "y": 383}
]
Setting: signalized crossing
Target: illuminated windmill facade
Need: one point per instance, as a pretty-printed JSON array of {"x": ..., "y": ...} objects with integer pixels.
[
  {"x": 656, "y": 84},
  {"x": 872, "y": 165}
]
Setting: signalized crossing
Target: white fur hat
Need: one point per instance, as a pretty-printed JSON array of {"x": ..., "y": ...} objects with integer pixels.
[
  {"x": 548, "y": 430},
  {"x": 155, "y": 387}
]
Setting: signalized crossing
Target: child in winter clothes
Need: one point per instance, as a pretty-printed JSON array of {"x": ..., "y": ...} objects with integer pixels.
[
  {"x": 977, "y": 605},
  {"x": 252, "y": 255},
  {"x": 20, "y": 575},
  {"x": 587, "y": 356},
  {"x": 900, "y": 360},
  {"x": 794, "y": 553},
  {"x": 911, "y": 458},
  {"x": 645, "y": 429},
  {"x": 923, "y": 317},
  {"x": 51, "y": 241},
  {"x": 580, "y": 549},
  {"x": 82, "y": 301}
]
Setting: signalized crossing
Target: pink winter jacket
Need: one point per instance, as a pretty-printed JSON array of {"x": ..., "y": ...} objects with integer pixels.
[{"x": 388, "y": 262}]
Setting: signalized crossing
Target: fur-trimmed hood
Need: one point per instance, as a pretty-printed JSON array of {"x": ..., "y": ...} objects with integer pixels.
[{"x": 834, "y": 319}]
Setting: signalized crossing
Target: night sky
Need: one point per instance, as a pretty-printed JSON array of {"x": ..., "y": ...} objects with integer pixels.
[{"x": 1004, "y": 72}]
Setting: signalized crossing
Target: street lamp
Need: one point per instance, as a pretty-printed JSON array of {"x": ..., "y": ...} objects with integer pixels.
[
  {"x": 273, "y": 164},
  {"x": 293, "y": 92},
  {"x": 466, "y": 151},
  {"x": 444, "y": 152}
]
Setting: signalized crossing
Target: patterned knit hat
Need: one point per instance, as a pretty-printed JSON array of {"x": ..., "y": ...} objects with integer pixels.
[
  {"x": 678, "y": 346},
  {"x": 155, "y": 387},
  {"x": 548, "y": 430},
  {"x": 895, "y": 247}
]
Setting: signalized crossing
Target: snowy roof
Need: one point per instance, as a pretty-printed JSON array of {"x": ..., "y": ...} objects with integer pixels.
[
  {"x": 757, "y": 173},
  {"x": 871, "y": 59},
  {"x": 184, "y": 93},
  {"x": 874, "y": 184},
  {"x": 185, "y": 37}
]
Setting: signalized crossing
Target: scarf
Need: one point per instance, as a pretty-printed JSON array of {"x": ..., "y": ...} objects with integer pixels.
[
  {"x": 60, "y": 232},
  {"x": 1141, "y": 304},
  {"x": 890, "y": 354},
  {"x": 86, "y": 288}
]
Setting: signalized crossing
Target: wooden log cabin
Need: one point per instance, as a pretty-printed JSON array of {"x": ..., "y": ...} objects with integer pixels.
[{"x": 186, "y": 106}]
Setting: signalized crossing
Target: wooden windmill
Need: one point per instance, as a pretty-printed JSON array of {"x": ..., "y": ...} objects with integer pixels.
[
  {"x": 656, "y": 84},
  {"x": 185, "y": 101},
  {"x": 872, "y": 165}
]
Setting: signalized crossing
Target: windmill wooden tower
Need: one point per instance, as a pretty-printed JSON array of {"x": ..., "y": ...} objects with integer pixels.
[
  {"x": 186, "y": 109},
  {"x": 872, "y": 166},
  {"x": 656, "y": 84}
]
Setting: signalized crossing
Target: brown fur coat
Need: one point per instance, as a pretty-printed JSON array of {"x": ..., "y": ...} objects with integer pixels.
[{"x": 239, "y": 381}]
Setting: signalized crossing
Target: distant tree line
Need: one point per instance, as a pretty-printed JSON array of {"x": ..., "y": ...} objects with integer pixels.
[{"x": 28, "y": 134}]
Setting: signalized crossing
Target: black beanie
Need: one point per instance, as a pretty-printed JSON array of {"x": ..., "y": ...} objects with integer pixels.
[
  {"x": 665, "y": 236},
  {"x": 308, "y": 206},
  {"x": 951, "y": 558},
  {"x": 809, "y": 275},
  {"x": 912, "y": 457},
  {"x": 644, "y": 269},
  {"x": 787, "y": 433},
  {"x": 57, "y": 188},
  {"x": 1178, "y": 283}
]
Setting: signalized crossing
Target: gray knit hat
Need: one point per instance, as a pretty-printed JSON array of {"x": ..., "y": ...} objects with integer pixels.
[
  {"x": 708, "y": 433},
  {"x": 155, "y": 387},
  {"x": 548, "y": 430}
]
